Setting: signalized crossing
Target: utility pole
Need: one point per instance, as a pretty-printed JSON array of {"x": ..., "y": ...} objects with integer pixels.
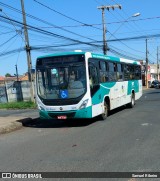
[
  {"x": 17, "y": 72},
  {"x": 105, "y": 47},
  {"x": 28, "y": 51},
  {"x": 157, "y": 65},
  {"x": 146, "y": 63}
]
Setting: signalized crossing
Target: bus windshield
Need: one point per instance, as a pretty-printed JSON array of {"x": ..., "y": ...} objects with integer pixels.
[{"x": 59, "y": 81}]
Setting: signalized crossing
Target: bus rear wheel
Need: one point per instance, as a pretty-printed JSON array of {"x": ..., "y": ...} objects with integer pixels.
[
  {"x": 104, "y": 115},
  {"x": 132, "y": 103}
]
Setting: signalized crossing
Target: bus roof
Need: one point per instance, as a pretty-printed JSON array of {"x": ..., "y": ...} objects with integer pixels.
[
  {"x": 94, "y": 55},
  {"x": 116, "y": 59},
  {"x": 63, "y": 54}
]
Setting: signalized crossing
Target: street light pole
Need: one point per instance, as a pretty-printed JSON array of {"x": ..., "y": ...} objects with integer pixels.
[
  {"x": 157, "y": 64},
  {"x": 105, "y": 47},
  {"x": 146, "y": 63},
  {"x": 104, "y": 33},
  {"x": 17, "y": 73}
]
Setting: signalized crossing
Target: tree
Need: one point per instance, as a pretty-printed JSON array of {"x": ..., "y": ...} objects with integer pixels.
[{"x": 8, "y": 75}]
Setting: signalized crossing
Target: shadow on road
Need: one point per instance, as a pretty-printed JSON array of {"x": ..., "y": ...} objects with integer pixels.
[{"x": 49, "y": 123}]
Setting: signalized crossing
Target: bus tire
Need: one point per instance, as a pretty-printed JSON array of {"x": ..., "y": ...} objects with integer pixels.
[
  {"x": 104, "y": 115},
  {"x": 132, "y": 103}
]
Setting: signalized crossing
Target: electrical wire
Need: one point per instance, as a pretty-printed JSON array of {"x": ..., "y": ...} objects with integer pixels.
[
  {"x": 43, "y": 21},
  {"x": 6, "y": 32},
  {"x": 8, "y": 40},
  {"x": 47, "y": 32},
  {"x": 84, "y": 24}
]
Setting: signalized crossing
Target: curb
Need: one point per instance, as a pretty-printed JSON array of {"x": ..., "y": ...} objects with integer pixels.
[{"x": 14, "y": 125}]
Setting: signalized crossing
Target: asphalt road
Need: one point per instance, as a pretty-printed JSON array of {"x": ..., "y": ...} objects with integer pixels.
[{"x": 128, "y": 141}]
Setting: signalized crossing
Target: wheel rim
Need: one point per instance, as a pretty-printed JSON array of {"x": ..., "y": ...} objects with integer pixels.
[
  {"x": 105, "y": 111},
  {"x": 133, "y": 100}
]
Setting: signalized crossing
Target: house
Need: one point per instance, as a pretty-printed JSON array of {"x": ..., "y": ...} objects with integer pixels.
[
  {"x": 2, "y": 80},
  {"x": 154, "y": 72}
]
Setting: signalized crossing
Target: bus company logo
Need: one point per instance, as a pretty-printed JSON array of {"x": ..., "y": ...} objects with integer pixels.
[{"x": 6, "y": 175}]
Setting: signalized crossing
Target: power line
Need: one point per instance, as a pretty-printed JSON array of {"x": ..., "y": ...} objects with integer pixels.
[
  {"x": 127, "y": 15},
  {"x": 84, "y": 24},
  {"x": 7, "y": 32},
  {"x": 135, "y": 38},
  {"x": 61, "y": 13},
  {"x": 124, "y": 52},
  {"x": 9, "y": 45},
  {"x": 47, "y": 32},
  {"x": 43, "y": 21},
  {"x": 100, "y": 24},
  {"x": 8, "y": 40}
]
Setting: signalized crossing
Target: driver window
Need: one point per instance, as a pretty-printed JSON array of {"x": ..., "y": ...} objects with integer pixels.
[
  {"x": 54, "y": 77},
  {"x": 72, "y": 76}
]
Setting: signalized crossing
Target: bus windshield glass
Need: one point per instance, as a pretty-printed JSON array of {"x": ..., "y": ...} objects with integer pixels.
[{"x": 61, "y": 77}]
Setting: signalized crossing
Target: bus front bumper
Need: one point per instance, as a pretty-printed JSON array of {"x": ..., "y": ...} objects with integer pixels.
[{"x": 82, "y": 113}]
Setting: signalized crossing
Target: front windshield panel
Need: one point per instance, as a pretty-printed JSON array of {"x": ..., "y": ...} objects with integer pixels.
[{"x": 59, "y": 81}]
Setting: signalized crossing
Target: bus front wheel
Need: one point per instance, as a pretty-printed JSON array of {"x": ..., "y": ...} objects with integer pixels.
[{"x": 104, "y": 115}]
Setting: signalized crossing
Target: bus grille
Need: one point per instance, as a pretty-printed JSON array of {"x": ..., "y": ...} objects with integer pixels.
[{"x": 60, "y": 102}]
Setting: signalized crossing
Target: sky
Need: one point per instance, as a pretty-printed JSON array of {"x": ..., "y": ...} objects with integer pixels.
[{"x": 68, "y": 25}]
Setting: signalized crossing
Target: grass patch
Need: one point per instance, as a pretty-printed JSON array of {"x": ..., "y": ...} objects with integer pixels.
[{"x": 18, "y": 105}]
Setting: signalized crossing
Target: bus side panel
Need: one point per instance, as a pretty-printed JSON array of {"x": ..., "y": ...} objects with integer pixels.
[
  {"x": 120, "y": 94},
  {"x": 139, "y": 93},
  {"x": 136, "y": 86},
  {"x": 99, "y": 96},
  {"x": 118, "y": 97}
]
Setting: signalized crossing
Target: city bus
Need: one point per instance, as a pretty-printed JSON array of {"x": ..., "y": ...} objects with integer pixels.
[{"x": 85, "y": 85}]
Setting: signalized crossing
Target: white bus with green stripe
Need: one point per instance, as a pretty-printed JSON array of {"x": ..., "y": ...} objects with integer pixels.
[{"x": 85, "y": 85}]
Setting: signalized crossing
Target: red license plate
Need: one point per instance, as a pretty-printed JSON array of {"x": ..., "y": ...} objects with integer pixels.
[{"x": 61, "y": 117}]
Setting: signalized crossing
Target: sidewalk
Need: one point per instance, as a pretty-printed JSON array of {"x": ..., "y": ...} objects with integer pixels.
[
  {"x": 11, "y": 120},
  {"x": 145, "y": 88}
]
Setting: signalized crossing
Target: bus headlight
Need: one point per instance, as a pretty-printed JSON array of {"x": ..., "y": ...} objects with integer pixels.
[
  {"x": 84, "y": 104},
  {"x": 41, "y": 108}
]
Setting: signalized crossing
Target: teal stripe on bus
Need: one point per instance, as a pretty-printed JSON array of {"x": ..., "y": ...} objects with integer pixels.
[
  {"x": 104, "y": 90},
  {"x": 62, "y": 54},
  {"x": 110, "y": 58},
  {"x": 133, "y": 85}
]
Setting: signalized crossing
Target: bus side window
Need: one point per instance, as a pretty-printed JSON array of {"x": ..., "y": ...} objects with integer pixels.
[
  {"x": 132, "y": 74},
  {"x": 129, "y": 72},
  {"x": 119, "y": 72},
  {"x": 103, "y": 71},
  {"x": 112, "y": 71},
  {"x": 137, "y": 72},
  {"x": 126, "y": 72}
]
